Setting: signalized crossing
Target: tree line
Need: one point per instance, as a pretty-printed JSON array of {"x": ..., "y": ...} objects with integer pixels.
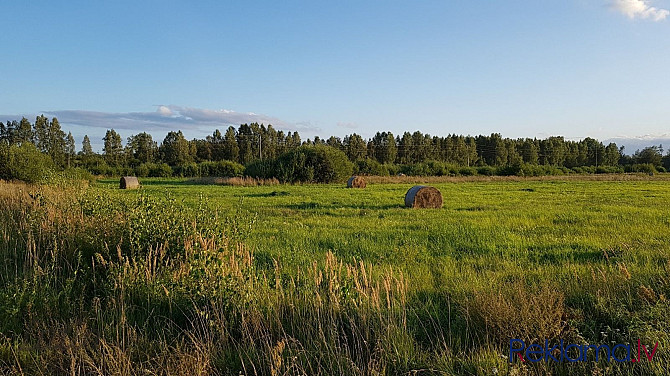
[{"x": 384, "y": 153}]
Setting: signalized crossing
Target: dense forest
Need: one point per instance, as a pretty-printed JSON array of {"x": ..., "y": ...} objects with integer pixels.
[{"x": 262, "y": 151}]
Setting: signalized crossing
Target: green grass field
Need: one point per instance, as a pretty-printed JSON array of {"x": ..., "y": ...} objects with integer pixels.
[
  {"x": 350, "y": 281},
  {"x": 525, "y": 225}
]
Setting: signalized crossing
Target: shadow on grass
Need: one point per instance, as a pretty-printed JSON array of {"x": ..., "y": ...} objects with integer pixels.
[
  {"x": 269, "y": 194},
  {"x": 316, "y": 205}
]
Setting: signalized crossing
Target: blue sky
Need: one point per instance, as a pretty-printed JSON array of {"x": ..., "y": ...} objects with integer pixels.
[{"x": 575, "y": 68}]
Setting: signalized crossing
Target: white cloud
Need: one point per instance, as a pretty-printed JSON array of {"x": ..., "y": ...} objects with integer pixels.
[
  {"x": 640, "y": 9},
  {"x": 169, "y": 117},
  {"x": 164, "y": 110}
]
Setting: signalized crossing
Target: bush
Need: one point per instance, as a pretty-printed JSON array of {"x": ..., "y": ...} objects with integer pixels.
[
  {"x": 261, "y": 169},
  {"x": 188, "y": 170},
  {"x": 159, "y": 170},
  {"x": 318, "y": 163},
  {"x": 222, "y": 169},
  {"x": 608, "y": 170},
  {"x": 25, "y": 163},
  {"x": 436, "y": 168},
  {"x": 142, "y": 170},
  {"x": 393, "y": 169},
  {"x": 370, "y": 167},
  {"x": 486, "y": 171},
  {"x": 467, "y": 171},
  {"x": 646, "y": 168}
]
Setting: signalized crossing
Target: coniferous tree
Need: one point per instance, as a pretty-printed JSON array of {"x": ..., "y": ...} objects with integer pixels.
[
  {"x": 56, "y": 143},
  {"x": 70, "y": 148},
  {"x": 86, "y": 149},
  {"x": 231, "y": 151},
  {"x": 244, "y": 142},
  {"x": 23, "y": 132},
  {"x": 113, "y": 148},
  {"x": 355, "y": 147},
  {"x": 41, "y": 133}
]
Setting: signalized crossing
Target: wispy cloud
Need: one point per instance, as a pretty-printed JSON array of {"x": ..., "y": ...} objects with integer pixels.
[
  {"x": 166, "y": 117},
  {"x": 342, "y": 124},
  {"x": 640, "y": 9}
]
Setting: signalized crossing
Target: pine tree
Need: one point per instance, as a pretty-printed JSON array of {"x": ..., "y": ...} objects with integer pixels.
[
  {"x": 112, "y": 149},
  {"x": 56, "y": 143},
  {"x": 70, "y": 148},
  {"x": 23, "y": 132},
  {"x": 86, "y": 148},
  {"x": 231, "y": 150},
  {"x": 41, "y": 134}
]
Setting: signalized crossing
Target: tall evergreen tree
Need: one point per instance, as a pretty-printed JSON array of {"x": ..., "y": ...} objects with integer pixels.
[
  {"x": 41, "y": 133},
  {"x": 86, "y": 148},
  {"x": 70, "y": 148},
  {"x": 56, "y": 143},
  {"x": 355, "y": 147},
  {"x": 244, "y": 142},
  {"x": 23, "y": 132},
  {"x": 112, "y": 148},
  {"x": 231, "y": 151}
]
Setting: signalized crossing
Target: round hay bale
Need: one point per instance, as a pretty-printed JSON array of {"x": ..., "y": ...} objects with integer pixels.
[
  {"x": 421, "y": 196},
  {"x": 129, "y": 182},
  {"x": 356, "y": 182}
]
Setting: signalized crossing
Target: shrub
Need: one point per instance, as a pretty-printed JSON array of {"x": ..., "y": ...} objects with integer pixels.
[
  {"x": 261, "y": 169},
  {"x": 142, "y": 170},
  {"x": 608, "y": 169},
  {"x": 393, "y": 169},
  {"x": 486, "y": 171},
  {"x": 370, "y": 167},
  {"x": 26, "y": 163},
  {"x": 436, "y": 168},
  {"x": 318, "y": 163},
  {"x": 159, "y": 170},
  {"x": 223, "y": 168},
  {"x": 188, "y": 170},
  {"x": 467, "y": 171},
  {"x": 647, "y": 168}
]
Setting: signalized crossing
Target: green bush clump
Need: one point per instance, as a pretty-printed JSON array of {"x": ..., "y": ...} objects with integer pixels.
[
  {"x": 221, "y": 169},
  {"x": 313, "y": 164},
  {"x": 142, "y": 171},
  {"x": 261, "y": 169},
  {"x": 393, "y": 169},
  {"x": 467, "y": 171},
  {"x": 370, "y": 167},
  {"x": 486, "y": 171},
  {"x": 159, "y": 170},
  {"x": 609, "y": 170},
  {"x": 187, "y": 170},
  {"x": 646, "y": 168},
  {"x": 25, "y": 163}
]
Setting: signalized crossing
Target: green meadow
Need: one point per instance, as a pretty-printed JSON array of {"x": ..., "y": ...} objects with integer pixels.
[
  {"x": 182, "y": 278},
  {"x": 528, "y": 226}
]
